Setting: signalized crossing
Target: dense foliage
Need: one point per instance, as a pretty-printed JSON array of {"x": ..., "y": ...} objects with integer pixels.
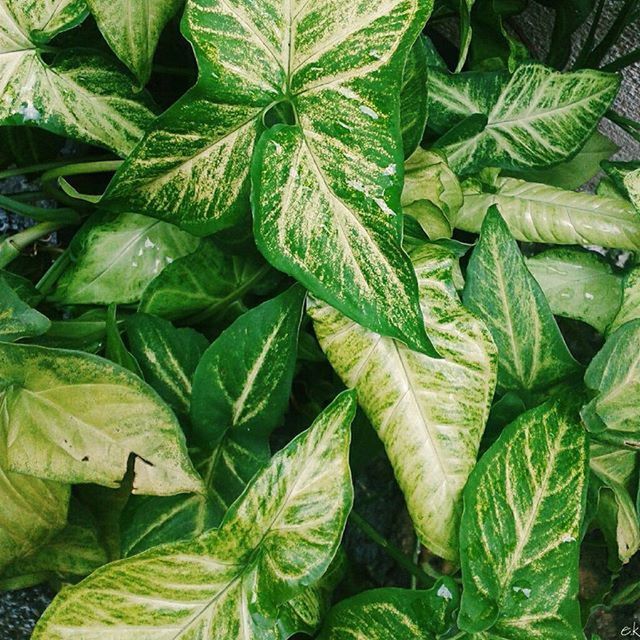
[{"x": 329, "y": 195}]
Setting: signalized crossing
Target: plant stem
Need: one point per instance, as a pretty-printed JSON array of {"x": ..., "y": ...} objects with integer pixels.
[
  {"x": 53, "y": 273},
  {"x": 626, "y": 124},
  {"x": 623, "y": 61},
  {"x": 75, "y": 169},
  {"x": 68, "y": 216},
  {"x": 392, "y": 551},
  {"x": 10, "y": 248},
  {"x": 44, "y": 166}
]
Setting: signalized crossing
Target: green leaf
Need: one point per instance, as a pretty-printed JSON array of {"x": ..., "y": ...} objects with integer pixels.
[
  {"x": 382, "y": 614},
  {"x": 74, "y": 417},
  {"x": 277, "y": 539},
  {"x": 115, "y": 257},
  {"x": 500, "y": 290},
  {"x": 630, "y": 305},
  {"x": 167, "y": 356},
  {"x": 539, "y": 213},
  {"x": 203, "y": 285},
  {"x": 17, "y": 318},
  {"x": 520, "y": 530},
  {"x": 236, "y": 402},
  {"x": 80, "y": 95},
  {"x": 115, "y": 349},
  {"x": 541, "y": 117},
  {"x": 429, "y": 413},
  {"x": 614, "y": 374},
  {"x": 575, "y": 172},
  {"x": 87, "y": 332},
  {"x": 579, "y": 285},
  {"x": 413, "y": 97},
  {"x": 132, "y": 29},
  {"x": 329, "y": 218}
]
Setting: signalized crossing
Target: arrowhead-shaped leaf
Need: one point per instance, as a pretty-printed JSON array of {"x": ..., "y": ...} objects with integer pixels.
[
  {"x": 540, "y": 213},
  {"x": 230, "y": 582},
  {"x": 520, "y": 531},
  {"x": 80, "y": 95},
  {"x": 76, "y": 418},
  {"x": 499, "y": 289},
  {"x": 429, "y": 413}
]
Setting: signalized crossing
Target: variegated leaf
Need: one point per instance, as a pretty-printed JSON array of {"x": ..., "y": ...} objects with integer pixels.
[
  {"x": 541, "y": 117},
  {"x": 429, "y": 413},
  {"x": 132, "y": 29},
  {"x": 540, "y": 213},
  {"x": 81, "y": 95},
  {"x": 499, "y": 289},
  {"x": 230, "y": 582},
  {"x": 578, "y": 284},
  {"x": 630, "y": 305},
  {"x": 398, "y": 614},
  {"x": 413, "y": 97},
  {"x": 74, "y": 417},
  {"x": 114, "y": 258},
  {"x": 203, "y": 285},
  {"x": 520, "y": 530},
  {"x": 17, "y": 318},
  {"x": 614, "y": 374}
]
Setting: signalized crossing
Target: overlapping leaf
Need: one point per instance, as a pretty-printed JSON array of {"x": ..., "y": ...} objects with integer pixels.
[
  {"x": 280, "y": 537},
  {"x": 17, "y": 318},
  {"x": 520, "y": 530},
  {"x": 429, "y": 413},
  {"x": 500, "y": 290},
  {"x": 630, "y": 305},
  {"x": 73, "y": 417},
  {"x": 413, "y": 97},
  {"x": 80, "y": 95}
]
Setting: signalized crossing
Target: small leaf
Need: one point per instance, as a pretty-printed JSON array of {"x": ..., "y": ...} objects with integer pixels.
[
  {"x": 17, "y": 318},
  {"x": 74, "y": 417},
  {"x": 133, "y": 29},
  {"x": 401, "y": 614},
  {"x": 116, "y": 256},
  {"x": 429, "y": 413},
  {"x": 520, "y": 530},
  {"x": 278, "y": 538},
  {"x": 578, "y": 285},
  {"x": 539, "y": 213}
]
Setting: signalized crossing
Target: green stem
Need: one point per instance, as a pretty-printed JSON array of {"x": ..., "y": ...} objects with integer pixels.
[
  {"x": 10, "y": 248},
  {"x": 392, "y": 551},
  {"x": 68, "y": 216},
  {"x": 53, "y": 273},
  {"x": 38, "y": 168},
  {"x": 623, "y": 61},
  {"x": 626, "y": 124}
]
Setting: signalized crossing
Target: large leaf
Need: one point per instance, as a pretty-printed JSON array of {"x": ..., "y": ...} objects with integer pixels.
[
  {"x": 630, "y": 305},
  {"x": 540, "y": 213},
  {"x": 429, "y": 413},
  {"x": 579, "y": 285},
  {"x": 401, "y": 614},
  {"x": 17, "y": 318},
  {"x": 541, "y": 117},
  {"x": 326, "y": 190},
  {"x": 499, "y": 288},
  {"x": 80, "y": 95},
  {"x": 241, "y": 390},
  {"x": 280, "y": 537},
  {"x": 167, "y": 356},
  {"x": 132, "y": 29},
  {"x": 520, "y": 530},
  {"x": 203, "y": 285},
  {"x": 74, "y": 417},
  {"x": 614, "y": 374},
  {"x": 115, "y": 257},
  {"x": 413, "y": 97}
]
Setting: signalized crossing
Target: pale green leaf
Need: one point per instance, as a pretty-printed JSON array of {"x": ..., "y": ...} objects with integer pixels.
[
  {"x": 614, "y": 374},
  {"x": 230, "y": 582},
  {"x": 500, "y": 290},
  {"x": 579, "y": 285},
  {"x": 203, "y": 285},
  {"x": 541, "y": 117},
  {"x": 398, "y": 614},
  {"x": 632, "y": 185},
  {"x": 540, "y": 213},
  {"x": 132, "y": 29},
  {"x": 74, "y": 417},
  {"x": 520, "y": 530},
  {"x": 80, "y": 95},
  {"x": 413, "y": 97},
  {"x": 429, "y": 413},
  {"x": 17, "y": 318},
  {"x": 114, "y": 258},
  {"x": 630, "y": 305},
  {"x": 167, "y": 356}
]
